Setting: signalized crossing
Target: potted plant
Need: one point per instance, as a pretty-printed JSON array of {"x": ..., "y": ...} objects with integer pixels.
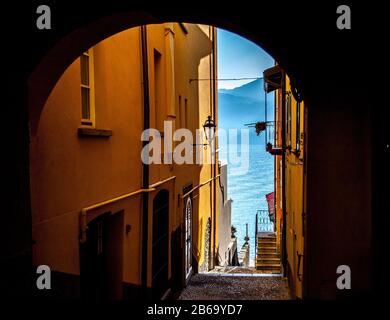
[
  {"x": 233, "y": 230},
  {"x": 260, "y": 126}
]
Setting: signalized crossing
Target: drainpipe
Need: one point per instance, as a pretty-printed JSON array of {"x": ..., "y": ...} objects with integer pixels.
[
  {"x": 283, "y": 103},
  {"x": 275, "y": 164},
  {"x": 215, "y": 141},
  {"x": 304, "y": 213},
  {"x": 145, "y": 167},
  {"x": 211, "y": 244}
]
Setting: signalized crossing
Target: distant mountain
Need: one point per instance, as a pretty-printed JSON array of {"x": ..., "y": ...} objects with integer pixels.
[
  {"x": 254, "y": 90},
  {"x": 236, "y": 111},
  {"x": 243, "y": 105}
]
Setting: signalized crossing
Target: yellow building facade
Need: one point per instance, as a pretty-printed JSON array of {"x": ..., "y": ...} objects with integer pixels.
[
  {"x": 290, "y": 176},
  {"x": 107, "y": 224},
  {"x": 294, "y": 188}
]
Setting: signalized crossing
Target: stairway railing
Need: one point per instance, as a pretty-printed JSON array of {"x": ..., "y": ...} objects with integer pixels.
[
  {"x": 256, "y": 230},
  {"x": 263, "y": 222}
]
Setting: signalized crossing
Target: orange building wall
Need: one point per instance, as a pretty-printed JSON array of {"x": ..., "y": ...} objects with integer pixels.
[
  {"x": 69, "y": 172},
  {"x": 278, "y": 169},
  {"x": 294, "y": 186},
  {"x": 294, "y": 200}
]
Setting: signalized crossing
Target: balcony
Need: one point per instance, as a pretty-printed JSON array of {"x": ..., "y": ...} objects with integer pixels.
[{"x": 273, "y": 143}]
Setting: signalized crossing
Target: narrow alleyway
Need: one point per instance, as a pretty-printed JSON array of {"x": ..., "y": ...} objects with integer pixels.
[{"x": 236, "y": 287}]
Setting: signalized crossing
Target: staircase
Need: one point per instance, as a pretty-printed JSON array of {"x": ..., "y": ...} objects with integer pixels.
[{"x": 267, "y": 257}]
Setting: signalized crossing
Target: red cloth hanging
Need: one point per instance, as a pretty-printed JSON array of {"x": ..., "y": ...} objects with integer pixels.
[{"x": 271, "y": 204}]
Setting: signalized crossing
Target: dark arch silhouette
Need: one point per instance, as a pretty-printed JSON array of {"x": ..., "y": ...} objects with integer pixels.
[
  {"x": 346, "y": 153},
  {"x": 52, "y": 63}
]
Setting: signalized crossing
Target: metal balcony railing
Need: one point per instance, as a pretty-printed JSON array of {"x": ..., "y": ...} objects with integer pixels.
[
  {"x": 272, "y": 134},
  {"x": 263, "y": 224}
]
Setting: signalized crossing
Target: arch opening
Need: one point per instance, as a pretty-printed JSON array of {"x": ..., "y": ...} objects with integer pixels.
[{"x": 157, "y": 55}]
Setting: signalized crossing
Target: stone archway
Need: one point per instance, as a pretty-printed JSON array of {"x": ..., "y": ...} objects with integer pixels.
[{"x": 292, "y": 44}]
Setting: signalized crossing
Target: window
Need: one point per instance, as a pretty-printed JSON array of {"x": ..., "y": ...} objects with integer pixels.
[
  {"x": 185, "y": 113},
  {"x": 298, "y": 127},
  {"x": 182, "y": 112},
  {"x": 288, "y": 119},
  {"x": 158, "y": 91},
  {"x": 179, "y": 114},
  {"x": 87, "y": 89}
]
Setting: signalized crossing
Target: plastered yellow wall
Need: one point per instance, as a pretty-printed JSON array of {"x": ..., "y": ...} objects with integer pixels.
[
  {"x": 294, "y": 196},
  {"x": 69, "y": 172}
]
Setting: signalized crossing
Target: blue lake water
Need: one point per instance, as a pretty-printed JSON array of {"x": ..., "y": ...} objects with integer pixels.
[{"x": 248, "y": 186}]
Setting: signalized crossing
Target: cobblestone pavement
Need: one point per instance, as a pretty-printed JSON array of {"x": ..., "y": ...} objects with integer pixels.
[
  {"x": 235, "y": 270},
  {"x": 222, "y": 287}
]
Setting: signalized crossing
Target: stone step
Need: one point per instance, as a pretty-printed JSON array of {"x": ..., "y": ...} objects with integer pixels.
[
  {"x": 274, "y": 267},
  {"x": 266, "y": 244},
  {"x": 264, "y": 266},
  {"x": 269, "y": 251},
  {"x": 265, "y": 234},
  {"x": 267, "y": 260},
  {"x": 267, "y": 263},
  {"x": 266, "y": 248},
  {"x": 272, "y": 271},
  {"x": 267, "y": 256},
  {"x": 278, "y": 272},
  {"x": 266, "y": 239}
]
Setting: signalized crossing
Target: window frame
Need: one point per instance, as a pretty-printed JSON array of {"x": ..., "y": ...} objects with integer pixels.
[
  {"x": 298, "y": 126},
  {"x": 179, "y": 113},
  {"x": 185, "y": 113},
  {"x": 88, "y": 122},
  {"x": 288, "y": 119}
]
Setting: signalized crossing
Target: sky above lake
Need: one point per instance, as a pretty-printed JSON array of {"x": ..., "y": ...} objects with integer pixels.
[
  {"x": 239, "y": 58},
  {"x": 252, "y": 176}
]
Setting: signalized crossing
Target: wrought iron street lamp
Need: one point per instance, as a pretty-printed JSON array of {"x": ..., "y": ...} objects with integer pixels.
[{"x": 209, "y": 129}]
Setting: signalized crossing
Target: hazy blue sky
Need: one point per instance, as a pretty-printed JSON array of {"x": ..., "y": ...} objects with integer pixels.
[{"x": 239, "y": 58}]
